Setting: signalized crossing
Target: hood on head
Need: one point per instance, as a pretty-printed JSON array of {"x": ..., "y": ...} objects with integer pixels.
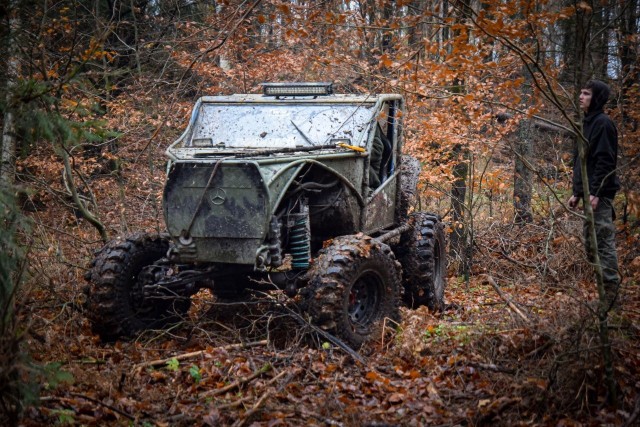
[{"x": 599, "y": 94}]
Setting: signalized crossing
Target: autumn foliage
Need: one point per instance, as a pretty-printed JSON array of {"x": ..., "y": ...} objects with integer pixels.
[{"x": 109, "y": 85}]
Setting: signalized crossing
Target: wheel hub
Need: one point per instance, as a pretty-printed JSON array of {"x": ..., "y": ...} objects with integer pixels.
[{"x": 364, "y": 299}]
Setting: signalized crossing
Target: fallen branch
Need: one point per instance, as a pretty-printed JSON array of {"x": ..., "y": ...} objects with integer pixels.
[
  {"x": 240, "y": 422},
  {"x": 488, "y": 279},
  {"x": 324, "y": 334},
  {"x": 162, "y": 362},
  {"x": 305, "y": 413},
  {"x": 491, "y": 367},
  {"x": 542, "y": 348},
  {"x": 91, "y": 399},
  {"x": 238, "y": 383},
  {"x": 634, "y": 416},
  {"x": 239, "y": 402},
  {"x": 99, "y": 402}
]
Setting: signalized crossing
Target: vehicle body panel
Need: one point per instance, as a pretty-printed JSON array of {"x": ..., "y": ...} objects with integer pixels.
[{"x": 242, "y": 155}]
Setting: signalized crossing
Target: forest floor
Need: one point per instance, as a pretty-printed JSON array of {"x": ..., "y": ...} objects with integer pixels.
[
  {"x": 526, "y": 356},
  {"x": 517, "y": 344}
]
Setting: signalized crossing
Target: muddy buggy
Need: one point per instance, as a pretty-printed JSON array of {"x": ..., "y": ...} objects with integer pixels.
[{"x": 296, "y": 189}]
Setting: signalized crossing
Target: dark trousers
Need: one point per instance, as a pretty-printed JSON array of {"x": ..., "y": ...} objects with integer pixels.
[{"x": 606, "y": 237}]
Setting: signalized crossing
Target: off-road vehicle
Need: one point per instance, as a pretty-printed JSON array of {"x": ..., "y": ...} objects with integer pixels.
[{"x": 297, "y": 189}]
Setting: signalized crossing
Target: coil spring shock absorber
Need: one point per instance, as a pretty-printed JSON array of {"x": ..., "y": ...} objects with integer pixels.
[{"x": 299, "y": 238}]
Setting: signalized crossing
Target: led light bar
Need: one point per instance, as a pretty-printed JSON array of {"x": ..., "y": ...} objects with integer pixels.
[
  {"x": 202, "y": 142},
  {"x": 297, "y": 89}
]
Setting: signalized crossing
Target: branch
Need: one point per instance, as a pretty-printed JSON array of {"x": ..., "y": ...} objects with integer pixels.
[
  {"x": 194, "y": 62},
  {"x": 240, "y": 422},
  {"x": 488, "y": 279},
  {"x": 245, "y": 399},
  {"x": 326, "y": 335},
  {"x": 91, "y": 399},
  {"x": 266, "y": 368},
  {"x": 185, "y": 356},
  {"x": 491, "y": 367},
  {"x": 634, "y": 416},
  {"x": 545, "y": 86},
  {"x": 224, "y": 39},
  {"x": 539, "y": 122},
  {"x": 86, "y": 214}
]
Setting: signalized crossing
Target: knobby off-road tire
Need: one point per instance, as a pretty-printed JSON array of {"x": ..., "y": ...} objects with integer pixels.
[
  {"x": 115, "y": 305},
  {"x": 422, "y": 254},
  {"x": 354, "y": 283}
]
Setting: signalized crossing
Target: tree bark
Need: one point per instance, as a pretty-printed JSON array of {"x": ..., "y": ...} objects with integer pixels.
[
  {"x": 603, "y": 306},
  {"x": 459, "y": 236},
  {"x": 462, "y": 236},
  {"x": 522, "y": 174},
  {"x": 628, "y": 48},
  {"x": 584, "y": 30},
  {"x": 8, "y": 157}
]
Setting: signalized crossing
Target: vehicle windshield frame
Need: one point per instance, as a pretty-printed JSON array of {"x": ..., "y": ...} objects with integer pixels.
[{"x": 279, "y": 125}]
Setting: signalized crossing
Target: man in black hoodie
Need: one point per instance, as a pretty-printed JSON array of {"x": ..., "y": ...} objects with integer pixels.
[{"x": 601, "y": 158}]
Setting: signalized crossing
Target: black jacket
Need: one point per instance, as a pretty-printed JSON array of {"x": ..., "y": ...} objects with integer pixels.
[{"x": 602, "y": 151}]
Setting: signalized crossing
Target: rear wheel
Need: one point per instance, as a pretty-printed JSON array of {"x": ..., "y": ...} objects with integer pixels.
[
  {"x": 116, "y": 304},
  {"x": 354, "y": 283},
  {"x": 422, "y": 255}
]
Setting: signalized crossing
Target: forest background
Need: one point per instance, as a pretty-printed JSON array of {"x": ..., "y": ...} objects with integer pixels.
[{"x": 93, "y": 91}]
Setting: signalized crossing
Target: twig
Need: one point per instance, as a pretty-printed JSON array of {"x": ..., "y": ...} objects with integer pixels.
[
  {"x": 636, "y": 412},
  {"x": 247, "y": 398},
  {"x": 240, "y": 422},
  {"x": 99, "y": 402},
  {"x": 91, "y": 399},
  {"x": 328, "y": 421},
  {"x": 542, "y": 348},
  {"x": 488, "y": 279},
  {"x": 491, "y": 367},
  {"x": 235, "y": 403},
  {"x": 384, "y": 328},
  {"x": 326, "y": 335},
  {"x": 161, "y": 362},
  {"x": 238, "y": 383}
]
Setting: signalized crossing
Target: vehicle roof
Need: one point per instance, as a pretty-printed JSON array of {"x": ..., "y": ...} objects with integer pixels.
[{"x": 324, "y": 99}]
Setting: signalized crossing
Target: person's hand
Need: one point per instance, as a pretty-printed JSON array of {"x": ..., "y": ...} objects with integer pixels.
[
  {"x": 594, "y": 202},
  {"x": 573, "y": 202}
]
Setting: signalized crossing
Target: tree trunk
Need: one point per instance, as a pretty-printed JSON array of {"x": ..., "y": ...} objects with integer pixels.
[
  {"x": 459, "y": 237},
  {"x": 522, "y": 175},
  {"x": 599, "y": 43},
  {"x": 581, "y": 75},
  {"x": 523, "y": 150},
  {"x": 8, "y": 157},
  {"x": 628, "y": 48},
  {"x": 462, "y": 236},
  {"x": 387, "y": 34},
  {"x": 574, "y": 44},
  {"x": 603, "y": 306}
]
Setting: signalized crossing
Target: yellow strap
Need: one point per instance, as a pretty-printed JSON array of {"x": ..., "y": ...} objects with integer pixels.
[{"x": 351, "y": 147}]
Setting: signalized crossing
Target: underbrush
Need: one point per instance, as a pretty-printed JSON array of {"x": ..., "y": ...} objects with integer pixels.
[{"x": 517, "y": 343}]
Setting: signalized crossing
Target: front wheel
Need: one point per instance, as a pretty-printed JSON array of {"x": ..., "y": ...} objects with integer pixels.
[
  {"x": 116, "y": 304},
  {"x": 354, "y": 284}
]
